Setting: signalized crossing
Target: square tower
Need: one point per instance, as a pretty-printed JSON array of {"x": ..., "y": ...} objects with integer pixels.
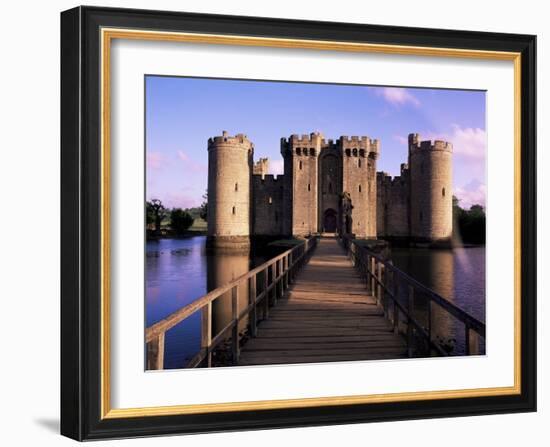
[{"x": 300, "y": 191}]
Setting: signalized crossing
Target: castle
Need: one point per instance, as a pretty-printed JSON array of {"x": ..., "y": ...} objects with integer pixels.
[{"x": 328, "y": 186}]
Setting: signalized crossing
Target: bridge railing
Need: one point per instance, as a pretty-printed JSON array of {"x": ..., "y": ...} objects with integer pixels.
[
  {"x": 266, "y": 284},
  {"x": 431, "y": 325}
]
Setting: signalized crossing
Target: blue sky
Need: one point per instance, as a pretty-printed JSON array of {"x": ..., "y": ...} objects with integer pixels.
[{"x": 182, "y": 113}]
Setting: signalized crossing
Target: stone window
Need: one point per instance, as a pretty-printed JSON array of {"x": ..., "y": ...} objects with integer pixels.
[
  {"x": 443, "y": 192},
  {"x": 312, "y": 152},
  {"x": 359, "y": 162},
  {"x": 361, "y": 152},
  {"x": 348, "y": 153},
  {"x": 236, "y": 186},
  {"x": 359, "y": 188},
  {"x": 270, "y": 200},
  {"x": 305, "y": 151},
  {"x": 234, "y": 210},
  {"x": 309, "y": 186},
  {"x": 300, "y": 165},
  {"x": 298, "y": 151},
  {"x": 355, "y": 152}
]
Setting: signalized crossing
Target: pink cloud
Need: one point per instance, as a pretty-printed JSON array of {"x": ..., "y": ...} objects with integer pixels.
[
  {"x": 398, "y": 96},
  {"x": 178, "y": 200},
  {"x": 191, "y": 164},
  {"x": 474, "y": 193},
  {"x": 155, "y": 160}
]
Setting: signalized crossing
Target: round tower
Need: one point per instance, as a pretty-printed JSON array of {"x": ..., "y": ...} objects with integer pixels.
[
  {"x": 229, "y": 177},
  {"x": 431, "y": 201}
]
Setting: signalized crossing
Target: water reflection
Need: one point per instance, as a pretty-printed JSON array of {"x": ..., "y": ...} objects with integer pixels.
[
  {"x": 458, "y": 275},
  {"x": 224, "y": 267},
  {"x": 177, "y": 272}
]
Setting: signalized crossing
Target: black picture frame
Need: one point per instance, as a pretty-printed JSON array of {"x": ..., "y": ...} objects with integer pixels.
[{"x": 81, "y": 223}]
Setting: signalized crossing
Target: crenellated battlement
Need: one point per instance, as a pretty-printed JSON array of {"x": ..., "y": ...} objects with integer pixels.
[
  {"x": 226, "y": 139},
  {"x": 313, "y": 138},
  {"x": 385, "y": 179},
  {"x": 268, "y": 179},
  {"x": 416, "y": 203},
  {"x": 416, "y": 144}
]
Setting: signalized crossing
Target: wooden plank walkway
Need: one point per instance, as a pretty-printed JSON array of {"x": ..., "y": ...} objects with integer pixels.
[{"x": 326, "y": 316}]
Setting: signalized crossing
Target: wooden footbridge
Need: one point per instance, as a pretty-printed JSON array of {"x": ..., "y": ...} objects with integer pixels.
[{"x": 324, "y": 300}]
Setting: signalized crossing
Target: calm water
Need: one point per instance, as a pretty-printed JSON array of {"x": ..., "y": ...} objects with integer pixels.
[
  {"x": 178, "y": 271},
  {"x": 458, "y": 275}
]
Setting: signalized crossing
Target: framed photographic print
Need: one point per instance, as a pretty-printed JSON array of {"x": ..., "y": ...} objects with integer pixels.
[{"x": 277, "y": 223}]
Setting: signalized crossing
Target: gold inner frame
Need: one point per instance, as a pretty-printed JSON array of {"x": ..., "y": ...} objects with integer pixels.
[{"x": 107, "y": 35}]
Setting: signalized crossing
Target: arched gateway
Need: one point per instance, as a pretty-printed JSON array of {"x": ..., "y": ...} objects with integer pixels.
[{"x": 329, "y": 221}]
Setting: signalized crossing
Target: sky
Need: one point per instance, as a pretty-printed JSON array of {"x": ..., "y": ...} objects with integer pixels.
[{"x": 182, "y": 113}]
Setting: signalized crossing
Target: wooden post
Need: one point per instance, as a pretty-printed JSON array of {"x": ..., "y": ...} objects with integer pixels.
[
  {"x": 367, "y": 271},
  {"x": 206, "y": 332},
  {"x": 372, "y": 273},
  {"x": 155, "y": 353},
  {"x": 235, "y": 318},
  {"x": 410, "y": 307},
  {"x": 253, "y": 317},
  {"x": 384, "y": 281},
  {"x": 275, "y": 285},
  {"x": 395, "y": 300},
  {"x": 266, "y": 295},
  {"x": 379, "y": 286},
  {"x": 285, "y": 268},
  {"x": 291, "y": 267}
]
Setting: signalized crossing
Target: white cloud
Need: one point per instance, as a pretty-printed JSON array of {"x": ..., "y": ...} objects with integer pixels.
[
  {"x": 400, "y": 139},
  {"x": 398, "y": 96},
  {"x": 468, "y": 142},
  {"x": 474, "y": 193},
  {"x": 276, "y": 167}
]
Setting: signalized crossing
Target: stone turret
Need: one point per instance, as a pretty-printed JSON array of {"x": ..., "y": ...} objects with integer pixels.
[
  {"x": 261, "y": 167},
  {"x": 300, "y": 192},
  {"x": 430, "y": 163},
  {"x": 230, "y": 161},
  {"x": 359, "y": 156}
]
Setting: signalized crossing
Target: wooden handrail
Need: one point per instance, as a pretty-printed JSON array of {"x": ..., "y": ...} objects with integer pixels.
[
  {"x": 285, "y": 264},
  {"x": 375, "y": 282}
]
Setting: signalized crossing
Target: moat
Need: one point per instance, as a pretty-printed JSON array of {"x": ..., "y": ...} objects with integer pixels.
[{"x": 178, "y": 271}]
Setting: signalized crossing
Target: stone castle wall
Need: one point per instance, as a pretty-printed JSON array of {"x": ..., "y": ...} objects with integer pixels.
[
  {"x": 431, "y": 189},
  {"x": 302, "y": 153},
  {"x": 267, "y": 205},
  {"x": 229, "y": 169},
  {"x": 244, "y": 199},
  {"x": 359, "y": 181},
  {"x": 393, "y": 198}
]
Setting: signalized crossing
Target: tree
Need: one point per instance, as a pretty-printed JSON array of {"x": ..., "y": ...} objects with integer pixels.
[
  {"x": 155, "y": 212},
  {"x": 469, "y": 225},
  {"x": 180, "y": 220},
  {"x": 204, "y": 207}
]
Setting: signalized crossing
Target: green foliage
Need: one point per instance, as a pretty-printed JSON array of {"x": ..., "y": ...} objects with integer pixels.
[
  {"x": 180, "y": 220},
  {"x": 155, "y": 212},
  {"x": 203, "y": 213},
  {"x": 469, "y": 225}
]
